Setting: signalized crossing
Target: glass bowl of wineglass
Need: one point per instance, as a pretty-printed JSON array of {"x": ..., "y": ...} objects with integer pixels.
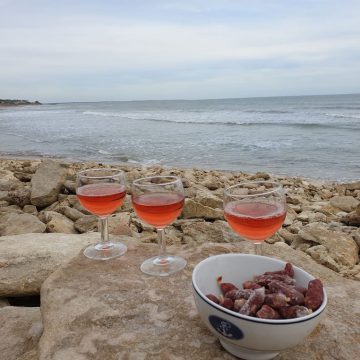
[
  {"x": 158, "y": 201},
  {"x": 255, "y": 210},
  {"x": 101, "y": 192}
]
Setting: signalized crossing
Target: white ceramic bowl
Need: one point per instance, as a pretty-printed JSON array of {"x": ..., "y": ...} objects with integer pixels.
[{"x": 244, "y": 336}]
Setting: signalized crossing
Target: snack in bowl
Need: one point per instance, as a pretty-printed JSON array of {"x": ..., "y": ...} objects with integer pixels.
[
  {"x": 272, "y": 295},
  {"x": 256, "y": 331}
]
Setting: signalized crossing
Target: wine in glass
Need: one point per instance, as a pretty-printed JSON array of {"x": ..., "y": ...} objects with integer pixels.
[
  {"x": 101, "y": 192},
  {"x": 255, "y": 210},
  {"x": 158, "y": 200}
]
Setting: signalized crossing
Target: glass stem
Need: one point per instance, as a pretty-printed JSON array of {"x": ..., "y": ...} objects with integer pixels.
[
  {"x": 104, "y": 232},
  {"x": 162, "y": 243},
  {"x": 258, "y": 248}
]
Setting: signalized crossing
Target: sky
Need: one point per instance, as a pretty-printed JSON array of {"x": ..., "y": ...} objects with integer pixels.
[{"x": 95, "y": 50}]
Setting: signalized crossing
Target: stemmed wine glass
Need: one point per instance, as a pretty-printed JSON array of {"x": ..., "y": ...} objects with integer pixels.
[
  {"x": 101, "y": 192},
  {"x": 158, "y": 200},
  {"x": 255, "y": 210}
]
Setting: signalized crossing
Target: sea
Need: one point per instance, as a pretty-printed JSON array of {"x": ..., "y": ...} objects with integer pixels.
[{"x": 315, "y": 137}]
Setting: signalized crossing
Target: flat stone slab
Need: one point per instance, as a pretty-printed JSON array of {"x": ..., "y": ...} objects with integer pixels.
[
  {"x": 27, "y": 260},
  {"x": 20, "y": 331},
  {"x": 110, "y": 310}
]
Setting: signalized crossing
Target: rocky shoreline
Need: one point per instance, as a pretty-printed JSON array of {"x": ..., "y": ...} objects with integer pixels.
[
  {"x": 8, "y": 102},
  {"x": 322, "y": 220},
  {"x": 42, "y": 222}
]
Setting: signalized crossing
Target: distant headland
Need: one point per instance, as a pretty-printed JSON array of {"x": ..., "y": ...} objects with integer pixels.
[{"x": 8, "y": 102}]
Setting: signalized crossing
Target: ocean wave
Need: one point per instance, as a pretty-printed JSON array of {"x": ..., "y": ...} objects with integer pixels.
[
  {"x": 105, "y": 114},
  {"x": 103, "y": 152},
  {"x": 343, "y": 116},
  {"x": 340, "y": 107},
  {"x": 145, "y": 162},
  {"x": 37, "y": 140},
  {"x": 268, "y": 111},
  {"x": 247, "y": 123}
]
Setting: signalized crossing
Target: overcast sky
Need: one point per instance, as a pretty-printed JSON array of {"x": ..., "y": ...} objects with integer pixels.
[{"x": 91, "y": 50}]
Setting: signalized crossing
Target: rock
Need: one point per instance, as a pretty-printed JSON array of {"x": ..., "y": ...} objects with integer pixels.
[
  {"x": 318, "y": 217},
  {"x": 85, "y": 307},
  {"x": 20, "y": 197},
  {"x": 212, "y": 183},
  {"x": 71, "y": 213},
  {"x": 148, "y": 237},
  {"x": 80, "y": 208},
  {"x": 304, "y": 216},
  {"x": 341, "y": 247},
  {"x": 193, "y": 209},
  {"x": 352, "y": 219},
  {"x": 46, "y": 183},
  {"x": 173, "y": 236},
  {"x": 207, "y": 198},
  {"x": 295, "y": 227},
  {"x": 127, "y": 205},
  {"x": 260, "y": 175},
  {"x": 3, "y": 203},
  {"x": 23, "y": 177},
  {"x": 353, "y": 273},
  {"x": 53, "y": 207},
  {"x": 329, "y": 210},
  {"x": 15, "y": 224},
  {"x": 86, "y": 224},
  {"x": 119, "y": 224},
  {"x": 30, "y": 209},
  {"x": 327, "y": 194},
  {"x": 274, "y": 239},
  {"x": 290, "y": 216},
  {"x": 356, "y": 237},
  {"x": 4, "y": 195},
  {"x": 10, "y": 210},
  {"x": 70, "y": 186},
  {"x": 29, "y": 355},
  {"x": 20, "y": 332},
  {"x": 314, "y": 207},
  {"x": 311, "y": 216},
  {"x": 201, "y": 232},
  {"x": 345, "y": 203},
  {"x": 228, "y": 233},
  {"x": 58, "y": 223},
  {"x": 140, "y": 225},
  {"x": 352, "y": 186},
  {"x": 27, "y": 260},
  {"x": 294, "y": 240},
  {"x": 293, "y": 199},
  {"x": 320, "y": 254},
  {"x": 6, "y": 175},
  {"x": 7, "y": 185},
  {"x": 62, "y": 197}
]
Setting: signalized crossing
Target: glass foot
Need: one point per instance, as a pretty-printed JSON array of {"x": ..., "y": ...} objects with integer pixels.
[
  {"x": 163, "y": 265},
  {"x": 105, "y": 251}
]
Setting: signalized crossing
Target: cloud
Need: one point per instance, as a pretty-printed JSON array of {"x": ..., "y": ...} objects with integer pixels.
[{"x": 70, "y": 49}]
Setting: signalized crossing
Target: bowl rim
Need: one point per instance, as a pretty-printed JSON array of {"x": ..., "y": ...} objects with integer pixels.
[{"x": 250, "y": 318}]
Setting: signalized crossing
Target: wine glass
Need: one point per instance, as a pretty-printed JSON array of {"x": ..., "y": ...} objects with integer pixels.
[
  {"x": 101, "y": 192},
  {"x": 158, "y": 200},
  {"x": 255, "y": 210}
]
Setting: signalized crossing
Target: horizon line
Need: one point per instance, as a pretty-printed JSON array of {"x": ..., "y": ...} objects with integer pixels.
[{"x": 201, "y": 99}]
